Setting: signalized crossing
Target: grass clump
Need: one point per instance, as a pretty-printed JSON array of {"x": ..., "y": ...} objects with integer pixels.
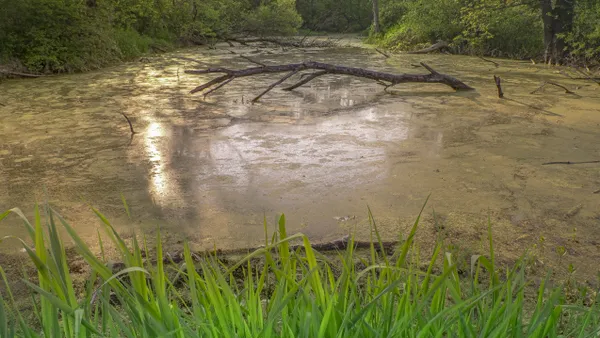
[{"x": 278, "y": 291}]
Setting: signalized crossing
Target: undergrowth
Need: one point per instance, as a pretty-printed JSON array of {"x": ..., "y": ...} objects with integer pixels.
[{"x": 292, "y": 293}]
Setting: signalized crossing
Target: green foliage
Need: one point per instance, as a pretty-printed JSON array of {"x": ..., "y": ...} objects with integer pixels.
[
  {"x": 335, "y": 15},
  {"x": 584, "y": 41},
  {"x": 76, "y": 35},
  {"x": 275, "y": 17},
  {"x": 281, "y": 291},
  {"x": 487, "y": 28}
]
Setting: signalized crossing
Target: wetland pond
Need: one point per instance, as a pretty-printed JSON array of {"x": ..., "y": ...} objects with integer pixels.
[{"x": 209, "y": 170}]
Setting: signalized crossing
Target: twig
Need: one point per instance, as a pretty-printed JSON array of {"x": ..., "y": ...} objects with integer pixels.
[
  {"x": 304, "y": 81},
  {"x": 567, "y": 91},
  {"x": 596, "y": 192},
  {"x": 499, "y": 86},
  {"x": 290, "y": 74},
  {"x": 569, "y": 162},
  {"x": 253, "y": 61},
  {"x": 494, "y": 62},
  {"x": 7, "y": 72},
  {"x": 219, "y": 86},
  {"x": 382, "y": 53},
  {"x": 130, "y": 125}
]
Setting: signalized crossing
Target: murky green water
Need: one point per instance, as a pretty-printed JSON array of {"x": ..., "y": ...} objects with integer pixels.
[{"x": 209, "y": 170}]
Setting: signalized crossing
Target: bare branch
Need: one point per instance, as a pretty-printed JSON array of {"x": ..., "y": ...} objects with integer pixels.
[
  {"x": 219, "y": 86},
  {"x": 496, "y": 64},
  {"x": 567, "y": 91},
  {"x": 324, "y": 68},
  {"x": 130, "y": 125},
  {"x": 253, "y": 61},
  {"x": 382, "y": 53},
  {"x": 210, "y": 83},
  {"x": 11, "y": 73},
  {"x": 306, "y": 80},
  {"x": 290, "y": 74},
  {"x": 432, "y": 48}
]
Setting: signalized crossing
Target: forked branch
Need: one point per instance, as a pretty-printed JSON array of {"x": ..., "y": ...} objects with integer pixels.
[{"x": 322, "y": 69}]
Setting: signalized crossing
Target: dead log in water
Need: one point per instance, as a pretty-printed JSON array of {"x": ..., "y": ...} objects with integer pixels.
[{"x": 321, "y": 69}]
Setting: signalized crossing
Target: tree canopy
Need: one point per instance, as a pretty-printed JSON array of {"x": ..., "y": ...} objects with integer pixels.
[{"x": 78, "y": 35}]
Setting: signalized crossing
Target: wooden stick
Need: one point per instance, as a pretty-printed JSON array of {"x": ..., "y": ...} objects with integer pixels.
[
  {"x": 219, "y": 86},
  {"x": 7, "y": 72},
  {"x": 569, "y": 162},
  {"x": 189, "y": 59},
  {"x": 494, "y": 62},
  {"x": 432, "y": 48},
  {"x": 306, "y": 80},
  {"x": 130, "y": 125},
  {"x": 290, "y": 74},
  {"x": 382, "y": 53},
  {"x": 499, "y": 86},
  {"x": 567, "y": 91}
]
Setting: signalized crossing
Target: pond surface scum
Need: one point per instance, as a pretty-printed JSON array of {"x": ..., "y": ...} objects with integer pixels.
[{"x": 208, "y": 170}]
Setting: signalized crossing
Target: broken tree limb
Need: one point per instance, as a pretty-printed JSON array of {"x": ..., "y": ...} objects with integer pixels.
[
  {"x": 384, "y": 247},
  {"x": 382, "y": 53},
  {"x": 496, "y": 64},
  {"x": 290, "y": 74},
  {"x": 567, "y": 91},
  {"x": 436, "y": 46},
  {"x": 499, "y": 86},
  {"x": 305, "y": 80},
  {"x": 569, "y": 162},
  {"x": 18, "y": 74},
  {"x": 323, "y": 69}
]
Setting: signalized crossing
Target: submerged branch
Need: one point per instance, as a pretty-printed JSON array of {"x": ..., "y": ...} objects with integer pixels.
[
  {"x": 569, "y": 162},
  {"x": 496, "y": 64},
  {"x": 19, "y": 74},
  {"x": 567, "y": 91},
  {"x": 130, "y": 125}
]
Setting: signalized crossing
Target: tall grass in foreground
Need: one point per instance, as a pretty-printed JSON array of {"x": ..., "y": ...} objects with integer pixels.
[{"x": 280, "y": 292}]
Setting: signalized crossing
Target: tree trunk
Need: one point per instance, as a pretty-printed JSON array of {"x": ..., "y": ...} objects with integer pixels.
[
  {"x": 557, "y": 20},
  {"x": 563, "y": 24},
  {"x": 376, "y": 28},
  {"x": 547, "y": 19}
]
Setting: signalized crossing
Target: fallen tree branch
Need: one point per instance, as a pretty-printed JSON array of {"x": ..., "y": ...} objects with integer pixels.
[
  {"x": 436, "y": 46},
  {"x": 567, "y": 91},
  {"x": 496, "y": 64},
  {"x": 569, "y": 162},
  {"x": 387, "y": 56},
  {"x": 336, "y": 245},
  {"x": 11, "y": 73},
  {"x": 285, "y": 43},
  {"x": 324, "y": 68},
  {"x": 290, "y": 74}
]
